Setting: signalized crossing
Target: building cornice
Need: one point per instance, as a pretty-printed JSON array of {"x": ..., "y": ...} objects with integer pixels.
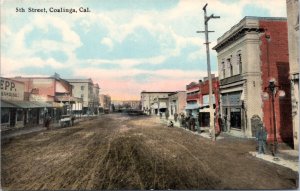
[{"x": 245, "y": 26}]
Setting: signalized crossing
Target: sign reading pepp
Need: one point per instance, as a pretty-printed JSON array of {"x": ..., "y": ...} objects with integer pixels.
[{"x": 11, "y": 90}]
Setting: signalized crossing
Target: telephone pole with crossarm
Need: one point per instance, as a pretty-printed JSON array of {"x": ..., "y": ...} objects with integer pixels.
[{"x": 211, "y": 113}]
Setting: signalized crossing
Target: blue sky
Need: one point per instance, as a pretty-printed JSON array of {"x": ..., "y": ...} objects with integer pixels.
[{"x": 125, "y": 46}]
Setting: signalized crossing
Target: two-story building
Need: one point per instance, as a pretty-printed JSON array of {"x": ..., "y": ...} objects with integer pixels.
[
  {"x": 17, "y": 110},
  {"x": 177, "y": 103},
  {"x": 198, "y": 100},
  {"x": 88, "y": 92},
  {"x": 154, "y": 102},
  {"x": 204, "y": 102},
  {"x": 250, "y": 54}
]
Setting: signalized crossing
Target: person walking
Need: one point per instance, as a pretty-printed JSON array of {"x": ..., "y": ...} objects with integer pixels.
[
  {"x": 175, "y": 117},
  {"x": 182, "y": 117},
  {"x": 167, "y": 115},
  {"x": 221, "y": 123},
  {"x": 187, "y": 121},
  {"x": 199, "y": 122},
  {"x": 192, "y": 123},
  {"x": 261, "y": 137}
]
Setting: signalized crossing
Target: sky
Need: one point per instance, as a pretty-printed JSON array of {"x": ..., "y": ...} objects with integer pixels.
[{"x": 126, "y": 46}]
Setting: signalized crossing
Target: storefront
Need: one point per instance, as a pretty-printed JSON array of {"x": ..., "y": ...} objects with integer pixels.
[
  {"x": 8, "y": 112},
  {"x": 192, "y": 108},
  {"x": 233, "y": 112},
  {"x": 25, "y": 113}
]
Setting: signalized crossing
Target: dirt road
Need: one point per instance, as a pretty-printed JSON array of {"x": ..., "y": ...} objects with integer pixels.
[{"x": 119, "y": 152}]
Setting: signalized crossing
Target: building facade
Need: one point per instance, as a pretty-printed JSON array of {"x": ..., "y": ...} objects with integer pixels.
[
  {"x": 105, "y": 102},
  {"x": 250, "y": 54},
  {"x": 198, "y": 100},
  {"x": 16, "y": 110},
  {"x": 86, "y": 90},
  {"x": 293, "y": 41},
  {"x": 177, "y": 103},
  {"x": 95, "y": 99},
  {"x": 53, "y": 90},
  {"x": 11, "y": 90},
  {"x": 154, "y": 102}
]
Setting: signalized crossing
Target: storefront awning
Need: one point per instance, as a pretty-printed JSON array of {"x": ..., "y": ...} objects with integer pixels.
[
  {"x": 192, "y": 106},
  {"x": 28, "y": 104},
  {"x": 42, "y": 104},
  {"x": 5, "y": 104}
]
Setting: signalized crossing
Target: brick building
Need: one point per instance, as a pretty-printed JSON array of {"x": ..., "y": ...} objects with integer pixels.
[
  {"x": 198, "y": 100},
  {"x": 250, "y": 54}
]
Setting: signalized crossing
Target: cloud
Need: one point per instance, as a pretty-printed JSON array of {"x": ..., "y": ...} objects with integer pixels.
[
  {"x": 125, "y": 47},
  {"x": 107, "y": 42}
]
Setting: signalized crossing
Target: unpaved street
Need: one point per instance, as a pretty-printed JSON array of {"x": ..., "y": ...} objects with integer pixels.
[{"x": 119, "y": 152}]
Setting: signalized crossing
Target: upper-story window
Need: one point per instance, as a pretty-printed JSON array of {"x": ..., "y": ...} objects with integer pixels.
[
  {"x": 223, "y": 69},
  {"x": 82, "y": 87},
  {"x": 239, "y": 61},
  {"x": 229, "y": 64}
]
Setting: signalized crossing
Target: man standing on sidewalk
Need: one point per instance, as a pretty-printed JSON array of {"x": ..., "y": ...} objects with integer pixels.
[{"x": 261, "y": 137}]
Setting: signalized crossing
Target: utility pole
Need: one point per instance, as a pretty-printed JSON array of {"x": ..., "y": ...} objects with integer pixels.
[{"x": 211, "y": 113}]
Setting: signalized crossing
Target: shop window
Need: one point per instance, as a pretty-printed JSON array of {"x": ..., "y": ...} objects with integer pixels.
[
  {"x": 4, "y": 115},
  {"x": 204, "y": 119},
  {"x": 235, "y": 118}
]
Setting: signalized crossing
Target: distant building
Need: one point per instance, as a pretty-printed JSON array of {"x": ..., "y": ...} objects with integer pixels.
[
  {"x": 132, "y": 104},
  {"x": 154, "y": 102},
  {"x": 95, "y": 99},
  {"x": 105, "y": 102},
  {"x": 293, "y": 41},
  {"x": 87, "y": 91},
  {"x": 177, "y": 103},
  {"x": 127, "y": 104},
  {"x": 249, "y": 55}
]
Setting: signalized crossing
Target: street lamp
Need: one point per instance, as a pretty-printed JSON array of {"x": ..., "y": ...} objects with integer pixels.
[{"x": 271, "y": 90}]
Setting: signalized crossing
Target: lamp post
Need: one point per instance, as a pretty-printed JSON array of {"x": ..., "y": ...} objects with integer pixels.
[{"x": 271, "y": 90}]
